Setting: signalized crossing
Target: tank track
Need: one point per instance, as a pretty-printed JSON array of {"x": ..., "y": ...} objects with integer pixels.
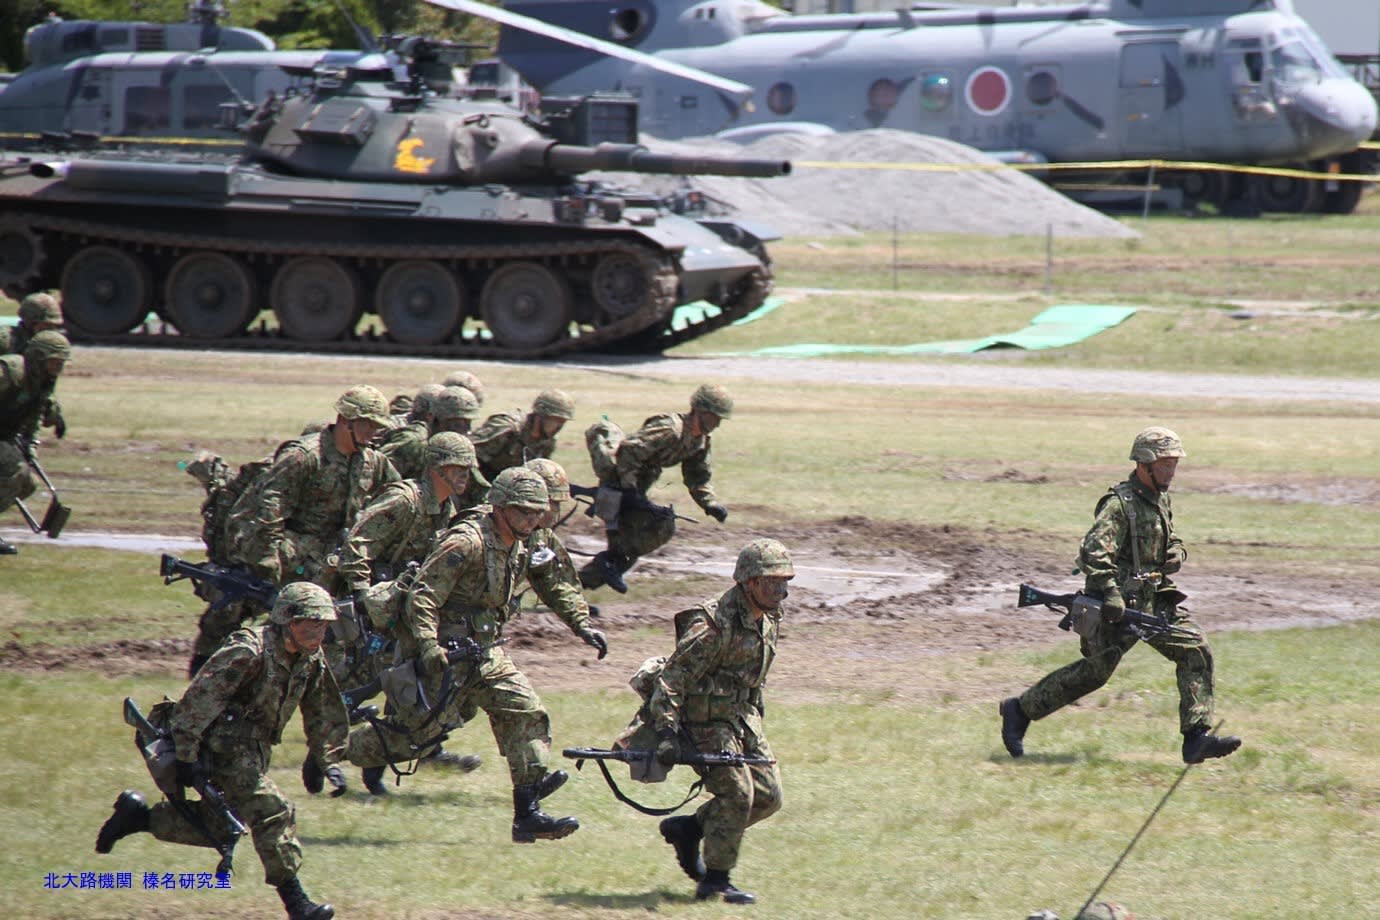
[{"x": 629, "y": 333}]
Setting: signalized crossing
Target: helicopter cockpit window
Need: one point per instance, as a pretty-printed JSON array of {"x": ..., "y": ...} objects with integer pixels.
[
  {"x": 627, "y": 24},
  {"x": 201, "y": 105},
  {"x": 781, "y": 98},
  {"x": 1247, "y": 60},
  {"x": 1293, "y": 64},
  {"x": 936, "y": 92},
  {"x": 148, "y": 109},
  {"x": 1042, "y": 88}
]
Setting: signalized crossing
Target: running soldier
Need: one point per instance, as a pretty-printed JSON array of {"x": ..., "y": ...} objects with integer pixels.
[
  {"x": 27, "y": 383},
  {"x": 512, "y": 438}
]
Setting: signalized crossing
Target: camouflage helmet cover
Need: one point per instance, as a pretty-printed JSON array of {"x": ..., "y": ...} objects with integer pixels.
[
  {"x": 302, "y": 600},
  {"x": 519, "y": 487},
  {"x": 40, "y": 308},
  {"x": 712, "y": 398},
  {"x": 455, "y": 402},
  {"x": 763, "y": 556},
  {"x": 1105, "y": 910},
  {"x": 49, "y": 344},
  {"x": 1155, "y": 443},
  {"x": 554, "y": 404},
  {"x": 557, "y": 482},
  {"x": 422, "y": 401},
  {"x": 363, "y": 402},
  {"x": 449, "y": 448},
  {"x": 468, "y": 381}
]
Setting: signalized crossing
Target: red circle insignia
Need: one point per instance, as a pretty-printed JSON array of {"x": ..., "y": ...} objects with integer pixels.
[{"x": 988, "y": 91}]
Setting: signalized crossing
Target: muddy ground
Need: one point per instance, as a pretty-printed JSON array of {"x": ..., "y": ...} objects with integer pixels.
[{"x": 874, "y": 610}]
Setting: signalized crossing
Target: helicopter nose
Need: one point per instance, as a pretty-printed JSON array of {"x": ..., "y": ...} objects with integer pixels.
[{"x": 1334, "y": 116}]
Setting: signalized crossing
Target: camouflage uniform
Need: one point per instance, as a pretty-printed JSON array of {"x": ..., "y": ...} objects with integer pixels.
[
  {"x": 1106, "y": 561},
  {"x": 711, "y": 687},
  {"x": 234, "y": 711},
  {"x": 34, "y": 310},
  {"x": 405, "y": 446},
  {"x": 26, "y": 390},
  {"x": 507, "y": 439},
  {"x": 400, "y": 525},
  {"x": 465, "y": 589}
]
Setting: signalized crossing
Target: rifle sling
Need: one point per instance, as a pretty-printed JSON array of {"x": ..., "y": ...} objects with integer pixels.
[{"x": 638, "y": 806}]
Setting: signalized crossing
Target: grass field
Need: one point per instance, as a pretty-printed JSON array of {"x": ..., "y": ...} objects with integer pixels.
[{"x": 893, "y": 808}]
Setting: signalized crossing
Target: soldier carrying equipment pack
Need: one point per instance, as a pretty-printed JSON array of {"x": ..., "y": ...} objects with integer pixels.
[{"x": 55, "y": 518}]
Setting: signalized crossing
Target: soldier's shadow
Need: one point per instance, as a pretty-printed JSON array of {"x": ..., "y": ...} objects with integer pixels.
[{"x": 648, "y": 900}]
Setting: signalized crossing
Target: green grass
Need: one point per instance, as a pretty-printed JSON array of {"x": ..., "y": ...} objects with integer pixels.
[{"x": 890, "y": 811}]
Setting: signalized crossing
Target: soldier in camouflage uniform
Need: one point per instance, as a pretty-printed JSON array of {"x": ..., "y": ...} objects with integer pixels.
[
  {"x": 1128, "y": 559},
  {"x": 662, "y": 441},
  {"x": 397, "y": 528},
  {"x": 288, "y": 525},
  {"x": 225, "y": 726},
  {"x": 557, "y": 584},
  {"x": 468, "y": 381},
  {"x": 512, "y": 438},
  {"x": 37, "y": 313},
  {"x": 465, "y": 591},
  {"x": 404, "y": 408},
  {"x": 27, "y": 383},
  {"x": 452, "y": 409},
  {"x": 709, "y": 694}
]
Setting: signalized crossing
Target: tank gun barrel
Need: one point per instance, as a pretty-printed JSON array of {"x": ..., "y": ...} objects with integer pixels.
[{"x": 571, "y": 159}]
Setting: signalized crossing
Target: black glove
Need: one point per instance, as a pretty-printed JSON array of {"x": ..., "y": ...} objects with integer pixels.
[
  {"x": 717, "y": 512},
  {"x": 52, "y": 418},
  {"x": 336, "y": 777},
  {"x": 190, "y": 773},
  {"x": 595, "y": 639},
  {"x": 668, "y": 747}
]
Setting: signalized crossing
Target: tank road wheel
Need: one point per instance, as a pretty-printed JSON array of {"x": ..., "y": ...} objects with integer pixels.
[
  {"x": 623, "y": 283},
  {"x": 525, "y": 305},
  {"x": 1347, "y": 195},
  {"x": 210, "y": 295},
  {"x": 1288, "y": 194},
  {"x": 420, "y": 302},
  {"x": 105, "y": 291},
  {"x": 21, "y": 253},
  {"x": 316, "y": 299}
]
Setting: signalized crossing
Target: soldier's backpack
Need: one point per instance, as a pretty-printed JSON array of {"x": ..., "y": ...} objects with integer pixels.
[
  {"x": 223, "y": 488},
  {"x": 602, "y": 440}
]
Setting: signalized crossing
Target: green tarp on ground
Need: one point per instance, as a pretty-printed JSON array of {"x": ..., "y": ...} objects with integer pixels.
[
  {"x": 1056, "y": 327},
  {"x": 688, "y": 313}
]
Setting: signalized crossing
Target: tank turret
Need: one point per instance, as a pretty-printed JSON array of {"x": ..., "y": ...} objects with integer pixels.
[{"x": 375, "y": 216}]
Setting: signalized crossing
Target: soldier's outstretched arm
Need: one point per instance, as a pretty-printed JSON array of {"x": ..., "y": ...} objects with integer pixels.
[
  {"x": 698, "y": 476},
  {"x": 325, "y": 719}
]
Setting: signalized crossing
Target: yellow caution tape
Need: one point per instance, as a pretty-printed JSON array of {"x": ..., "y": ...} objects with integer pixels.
[
  {"x": 120, "y": 139},
  {"x": 1164, "y": 165}
]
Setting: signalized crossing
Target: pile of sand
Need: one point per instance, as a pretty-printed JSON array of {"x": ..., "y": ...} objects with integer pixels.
[{"x": 822, "y": 201}]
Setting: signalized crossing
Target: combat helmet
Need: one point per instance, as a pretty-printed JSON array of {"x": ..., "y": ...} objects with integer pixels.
[
  {"x": 364, "y": 402},
  {"x": 454, "y": 402},
  {"x": 448, "y": 448},
  {"x": 302, "y": 600},
  {"x": 712, "y": 398},
  {"x": 425, "y": 399},
  {"x": 468, "y": 381},
  {"x": 40, "y": 308},
  {"x": 1155, "y": 443},
  {"x": 763, "y": 556},
  {"x": 48, "y": 344},
  {"x": 554, "y": 404},
  {"x": 553, "y": 474},
  {"x": 519, "y": 487}
]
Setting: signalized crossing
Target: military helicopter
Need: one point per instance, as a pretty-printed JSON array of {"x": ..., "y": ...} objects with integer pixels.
[
  {"x": 1225, "y": 81},
  {"x": 171, "y": 81}
]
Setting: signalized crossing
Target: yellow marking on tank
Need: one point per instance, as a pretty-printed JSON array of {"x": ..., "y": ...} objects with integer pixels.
[{"x": 407, "y": 159}]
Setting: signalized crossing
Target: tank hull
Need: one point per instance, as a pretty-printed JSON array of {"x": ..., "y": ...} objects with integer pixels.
[{"x": 226, "y": 254}]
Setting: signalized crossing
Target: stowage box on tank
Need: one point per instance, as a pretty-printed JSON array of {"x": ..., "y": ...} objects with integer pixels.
[{"x": 461, "y": 224}]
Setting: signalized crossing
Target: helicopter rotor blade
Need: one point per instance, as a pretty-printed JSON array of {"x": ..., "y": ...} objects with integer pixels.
[{"x": 739, "y": 91}]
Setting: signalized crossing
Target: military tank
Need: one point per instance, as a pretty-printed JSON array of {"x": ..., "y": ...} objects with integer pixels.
[{"x": 462, "y": 226}]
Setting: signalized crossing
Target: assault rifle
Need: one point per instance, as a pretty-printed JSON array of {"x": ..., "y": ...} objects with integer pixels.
[
  {"x": 1075, "y": 606},
  {"x": 690, "y": 758},
  {"x": 55, "y": 518},
  {"x": 160, "y": 756},
  {"x": 231, "y": 584},
  {"x": 457, "y": 650},
  {"x": 629, "y": 500}
]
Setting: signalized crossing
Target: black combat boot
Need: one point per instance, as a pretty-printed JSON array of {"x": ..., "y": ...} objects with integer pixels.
[
  {"x": 1200, "y": 746},
  {"x": 716, "y": 881},
  {"x": 7, "y": 548},
  {"x": 1014, "y": 722},
  {"x": 373, "y": 780},
  {"x": 684, "y": 833},
  {"x": 313, "y": 780},
  {"x": 195, "y": 664},
  {"x": 530, "y": 823},
  {"x": 301, "y": 907},
  {"x": 553, "y": 780},
  {"x": 465, "y": 763},
  {"x": 609, "y": 568},
  {"x": 131, "y": 817}
]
